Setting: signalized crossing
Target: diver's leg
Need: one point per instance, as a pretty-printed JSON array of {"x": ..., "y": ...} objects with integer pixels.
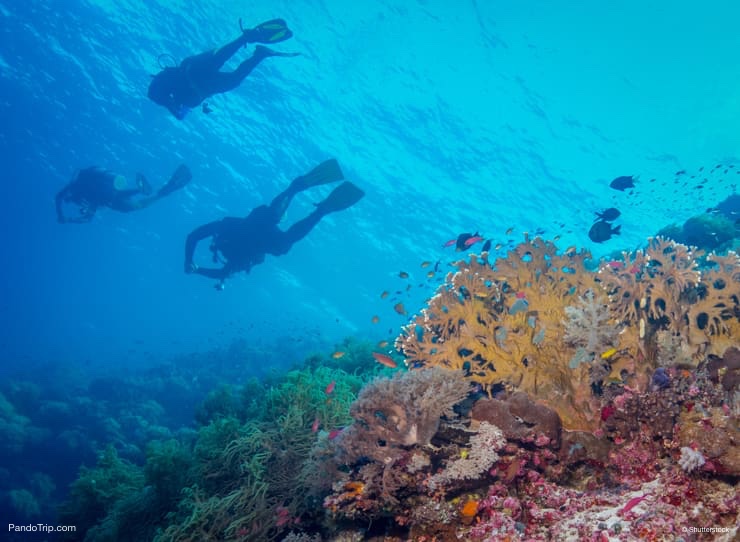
[
  {"x": 231, "y": 80},
  {"x": 220, "y": 56},
  {"x": 280, "y": 203},
  {"x": 124, "y": 201},
  {"x": 295, "y": 233}
]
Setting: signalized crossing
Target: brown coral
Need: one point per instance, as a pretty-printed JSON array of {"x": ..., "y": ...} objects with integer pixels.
[
  {"x": 524, "y": 322},
  {"x": 503, "y": 324}
]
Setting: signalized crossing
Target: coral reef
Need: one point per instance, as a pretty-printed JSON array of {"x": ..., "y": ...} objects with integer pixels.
[
  {"x": 542, "y": 323},
  {"x": 662, "y": 462}
]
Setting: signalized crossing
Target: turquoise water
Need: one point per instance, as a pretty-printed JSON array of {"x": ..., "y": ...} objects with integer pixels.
[{"x": 452, "y": 117}]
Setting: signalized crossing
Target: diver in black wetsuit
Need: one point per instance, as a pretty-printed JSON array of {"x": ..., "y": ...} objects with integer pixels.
[
  {"x": 241, "y": 243},
  {"x": 95, "y": 187},
  {"x": 198, "y": 77}
]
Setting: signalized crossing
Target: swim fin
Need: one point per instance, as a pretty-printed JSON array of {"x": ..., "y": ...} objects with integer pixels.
[
  {"x": 342, "y": 197},
  {"x": 273, "y": 31},
  {"x": 326, "y": 172},
  {"x": 179, "y": 179}
]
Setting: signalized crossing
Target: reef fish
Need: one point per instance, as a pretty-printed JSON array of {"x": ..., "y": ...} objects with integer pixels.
[
  {"x": 609, "y": 215},
  {"x": 338, "y": 354},
  {"x": 623, "y": 183},
  {"x": 461, "y": 243},
  {"x": 399, "y": 308},
  {"x": 602, "y": 231},
  {"x": 403, "y": 274},
  {"x": 330, "y": 387},
  {"x": 385, "y": 359},
  {"x": 469, "y": 242}
]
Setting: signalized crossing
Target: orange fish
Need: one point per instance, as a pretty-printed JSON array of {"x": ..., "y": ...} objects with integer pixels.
[
  {"x": 382, "y": 344},
  {"x": 384, "y": 294},
  {"x": 338, "y": 354},
  {"x": 330, "y": 387},
  {"x": 426, "y": 264},
  {"x": 384, "y": 359},
  {"x": 375, "y": 319},
  {"x": 399, "y": 308},
  {"x": 430, "y": 274},
  {"x": 403, "y": 275}
]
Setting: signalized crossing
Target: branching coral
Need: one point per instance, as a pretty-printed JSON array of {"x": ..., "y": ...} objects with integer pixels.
[{"x": 478, "y": 459}]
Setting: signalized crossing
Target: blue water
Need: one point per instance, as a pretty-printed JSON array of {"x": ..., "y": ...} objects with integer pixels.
[{"x": 452, "y": 117}]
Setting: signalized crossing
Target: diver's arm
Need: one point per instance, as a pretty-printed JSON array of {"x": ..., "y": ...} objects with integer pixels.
[{"x": 198, "y": 234}]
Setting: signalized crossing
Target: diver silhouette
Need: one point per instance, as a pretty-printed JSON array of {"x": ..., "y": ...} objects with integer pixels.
[
  {"x": 241, "y": 243},
  {"x": 198, "y": 77},
  {"x": 95, "y": 187}
]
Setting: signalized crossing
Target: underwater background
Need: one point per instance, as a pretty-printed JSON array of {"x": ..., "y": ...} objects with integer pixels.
[{"x": 492, "y": 117}]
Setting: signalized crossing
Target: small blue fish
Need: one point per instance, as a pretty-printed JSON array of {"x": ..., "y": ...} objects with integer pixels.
[{"x": 660, "y": 379}]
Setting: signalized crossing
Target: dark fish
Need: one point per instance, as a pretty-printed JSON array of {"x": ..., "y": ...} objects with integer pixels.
[
  {"x": 602, "y": 231},
  {"x": 206, "y": 108},
  {"x": 623, "y": 182},
  {"x": 609, "y": 215},
  {"x": 486, "y": 246}
]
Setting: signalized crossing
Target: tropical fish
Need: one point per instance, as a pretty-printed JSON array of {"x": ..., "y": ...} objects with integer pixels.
[
  {"x": 315, "y": 425},
  {"x": 521, "y": 295},
  {"x": 609, "y": 353},
  {"x": 338, "y": 354},
  {"x": 430, "y": 274},
  {"x": 449, "y": 243},
  {"x": 509, "y": 231},
  {"x": 462, "y": 239},
  {"x": 385, "y": 294},
  {"x": 330, "y": 387},
  {"x": 382, "y": 344},
  {"x": 375, "y": 319},
  {"x": 334, "y": 433},
  {"x": 498, "y": 246},
  {"x": 623, "y": 182},
  {"x": 403, "y": 275},
  {"x": 470, "y": 241},
  {"x": 425, "y": 264},
  {"x": 609, "y": 215},
  {"x": 385, "y": 359},
  {"x": 602, "y": 231},
  {"x": 399, "y": 308}
]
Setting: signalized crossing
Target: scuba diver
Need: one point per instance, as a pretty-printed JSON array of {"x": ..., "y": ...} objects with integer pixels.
[
  {"x": 241, "y": 243},
  {"x": 95, "y": 187},
  {"x": 184, "y": 87}
]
